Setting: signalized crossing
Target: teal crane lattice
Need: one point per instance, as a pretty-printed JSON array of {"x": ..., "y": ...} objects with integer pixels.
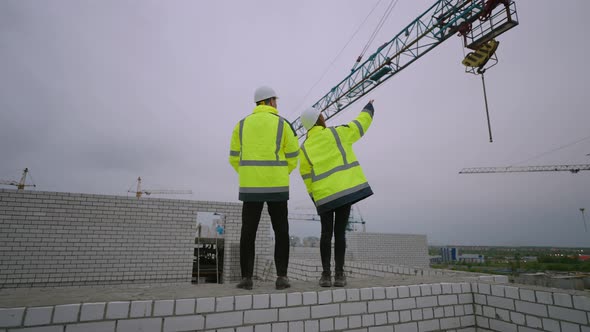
[{"x": 477, "y": 21}]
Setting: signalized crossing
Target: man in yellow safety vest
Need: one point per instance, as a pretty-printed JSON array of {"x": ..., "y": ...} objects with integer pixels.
[{"x": 264, "y": 151}]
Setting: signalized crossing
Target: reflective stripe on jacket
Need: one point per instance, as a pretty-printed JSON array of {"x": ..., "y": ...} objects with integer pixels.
[
  {"x": 264, "y": 151},
  {"x": 329, "y": 167}
]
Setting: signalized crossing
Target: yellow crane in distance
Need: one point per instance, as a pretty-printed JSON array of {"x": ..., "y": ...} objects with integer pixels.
[
  {"x": 20, "y": 185},
  {"x": 139, "y": 191}
]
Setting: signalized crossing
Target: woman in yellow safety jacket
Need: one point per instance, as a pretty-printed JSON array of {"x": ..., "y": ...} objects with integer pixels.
[{"x": 334, "y": 180}]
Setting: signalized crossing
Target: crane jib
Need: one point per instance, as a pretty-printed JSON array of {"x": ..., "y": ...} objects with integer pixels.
[
  {"x": 441, "y": 21},
  {"x": 510, "y": 169}
]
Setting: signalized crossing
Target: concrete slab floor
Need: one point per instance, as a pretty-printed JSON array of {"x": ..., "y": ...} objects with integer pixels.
[{"x": 21, "y": 297}]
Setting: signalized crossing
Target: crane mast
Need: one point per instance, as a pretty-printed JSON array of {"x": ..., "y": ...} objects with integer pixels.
[
  {"x": 549, "y": 168},
  {"x": 20, "y": 185},
  {"x": 437, "y": 24}
]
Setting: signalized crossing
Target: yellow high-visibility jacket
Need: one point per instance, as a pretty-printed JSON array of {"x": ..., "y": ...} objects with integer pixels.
[
  {"x": 329, "y": 167},
  {"x": 263, "y": 150}
]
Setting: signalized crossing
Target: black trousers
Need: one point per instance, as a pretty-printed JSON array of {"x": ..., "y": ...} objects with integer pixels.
[
  {"x": 334, "y": 223},
  {"x": 251, "y": 212}
]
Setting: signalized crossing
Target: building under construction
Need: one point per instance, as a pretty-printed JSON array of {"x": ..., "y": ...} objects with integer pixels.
[{"x": 81, "y": 262}]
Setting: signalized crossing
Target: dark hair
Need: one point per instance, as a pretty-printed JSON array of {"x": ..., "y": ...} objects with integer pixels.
[
  {"x": 265, "y": 101},
  {"x": 321, "y": 121}
]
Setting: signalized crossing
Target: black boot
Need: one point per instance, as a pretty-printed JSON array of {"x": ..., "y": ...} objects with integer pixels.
[
  {"x": 339, "y": 279},
  {"x": 246, "y": 283},
  {"x": 326, "y": 279},
  {"x": 282, "y": 283}
]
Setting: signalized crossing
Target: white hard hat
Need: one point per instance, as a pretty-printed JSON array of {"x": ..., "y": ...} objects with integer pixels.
[
  {"x": 263, "y": 93},
  {"x": 309, "y": 117}
]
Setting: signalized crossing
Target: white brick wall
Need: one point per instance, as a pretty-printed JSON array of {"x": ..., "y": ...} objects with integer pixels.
[
  {"x": 141, "y": 308},
  {"x": 38, "y": 316},
  {"x": 92, "y": 311},
  {"x": 110, "y": 239},
  {"x": 367, "y": 254},
  {"x": 67, "y": 313},
  {"x": 310, "y": 270},
  {"x": 260, "y": 316},
  {"x": 243, "y": 302},
  {"x": 528, "y": 309},
  {"x": 370, "y": 309},
  {"x": 117, "y": 310},
  {"x": 206, "y": 304},
  {"x": 291, "y": 314},
  {"x": 11, "y": 317},
  {"x": 395, "y": 249},
  {"x": 101, "y": 235},
  {"x": 185, "y": 323},
  {"x": 143, "y": 324}
]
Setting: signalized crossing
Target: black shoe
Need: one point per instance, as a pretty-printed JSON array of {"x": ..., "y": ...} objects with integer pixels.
[
  {"x": 326, "y": 280},
  {"x": 246, "y": 283},
  {"x": 282, "y": 283},
  {"x": 339, "y": 279}
]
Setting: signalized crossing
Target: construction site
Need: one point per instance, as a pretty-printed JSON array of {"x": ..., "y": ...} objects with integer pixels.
[
  {"x": 81, "y": 262},
  {"x": 75, "y": 262}
]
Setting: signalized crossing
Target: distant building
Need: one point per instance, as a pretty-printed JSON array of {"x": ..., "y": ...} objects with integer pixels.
[
  {"x": 435, "y": 259},
  {"x": 311, "y": 241},
  {"x": 472, "y": 258},
  {"x": 449, "y": 254},
  {"x": 295, "y": 241}
]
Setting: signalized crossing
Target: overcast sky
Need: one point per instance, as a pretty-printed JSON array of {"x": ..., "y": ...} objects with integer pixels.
[{"x": 94, "y": 94}]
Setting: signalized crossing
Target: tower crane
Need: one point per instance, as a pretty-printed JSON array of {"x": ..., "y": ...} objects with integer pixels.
[
  {"x": 478, "y": 22},
  {"x": 549, "y": 168},
  {"x": 574, "y": 169},
  {"x": 353, "y": 220},
  {"x": 20, "y": 185},
  {"x": 139, "y": 191}
]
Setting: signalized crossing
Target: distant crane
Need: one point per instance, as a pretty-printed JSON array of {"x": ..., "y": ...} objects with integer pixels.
[
  {"x": 20, "y": 185},
  {"x": 508, "y": 169},
  {"x": 357, "y": 220},
  {"x": 574, "y": 169},
  {"x": 139, "y": 191}
]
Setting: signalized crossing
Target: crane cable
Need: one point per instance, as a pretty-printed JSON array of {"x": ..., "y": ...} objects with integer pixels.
[
  {"x": 336, "y": 57},
  {"x": 382, "y": 21},
  {"x": 32, "y": 180},
  {"x": 551, "y": 151},
  {"x": 481, "y": 72}
]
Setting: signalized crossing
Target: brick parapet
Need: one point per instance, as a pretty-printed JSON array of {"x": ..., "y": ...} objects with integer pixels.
[{"x": 463, "y": 306}]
